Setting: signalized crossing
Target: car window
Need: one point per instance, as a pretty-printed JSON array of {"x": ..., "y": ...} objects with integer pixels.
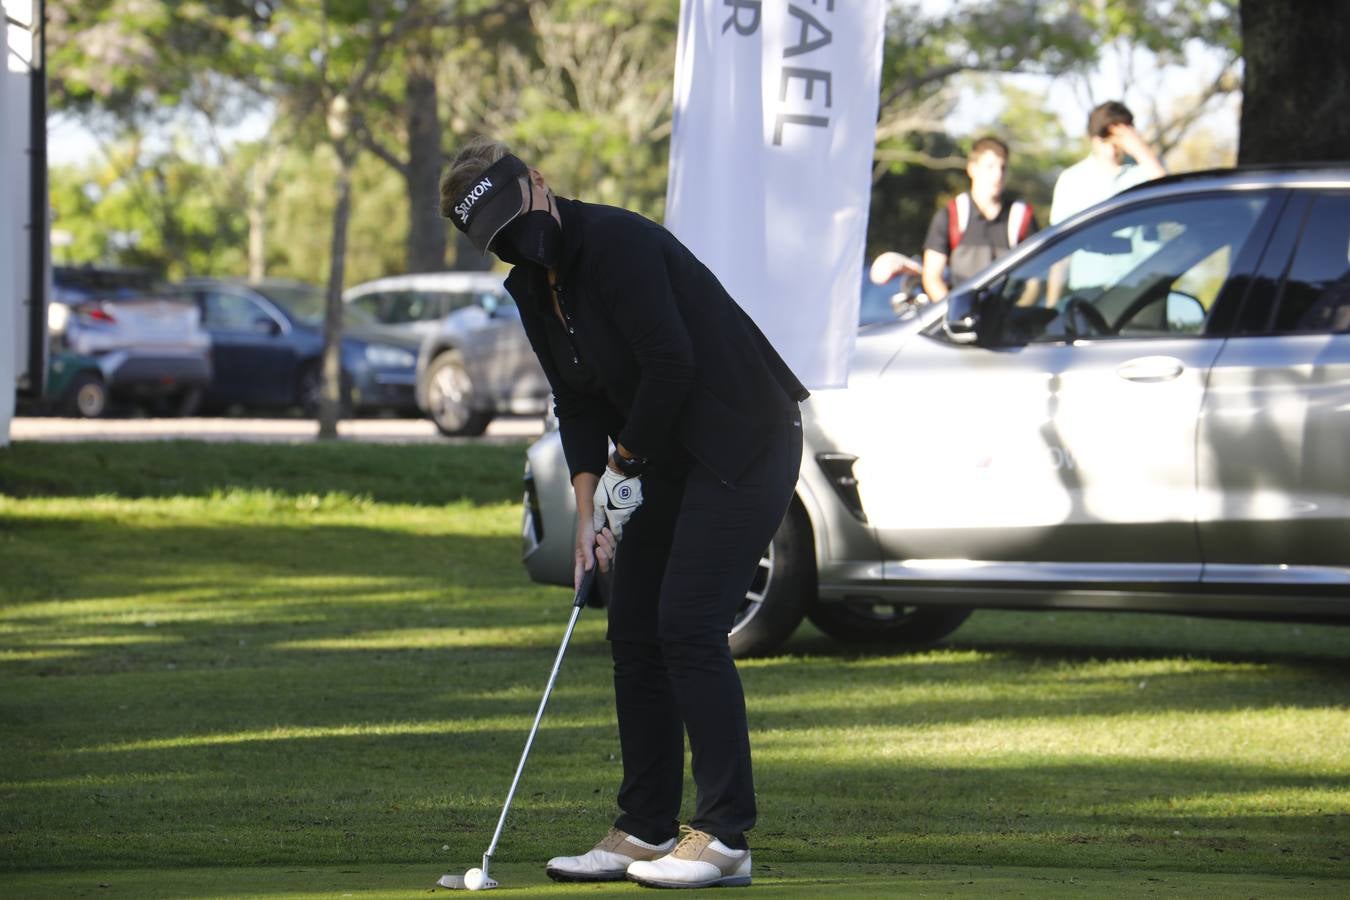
[
  {"x": 231, "y": 312},
  {"x": 304, "y": 302},
  {"x": 1316, "y": 295},
  {"x": 397, "y": 307},
  {"x": 456, "y": 300},
  {"x": 1151, "y": 271},
  {"x": 368, "y": 306}
]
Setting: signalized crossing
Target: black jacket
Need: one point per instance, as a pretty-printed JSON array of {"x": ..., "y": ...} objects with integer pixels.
[{"x": 672, "y": 359}]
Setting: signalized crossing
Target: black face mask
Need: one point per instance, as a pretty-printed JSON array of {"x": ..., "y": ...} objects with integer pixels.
[{"x": 532, "y": 237}]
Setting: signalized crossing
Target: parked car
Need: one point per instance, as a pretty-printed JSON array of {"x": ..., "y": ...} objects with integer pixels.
[
  {"x": 113, "y": 337},
  {"x": 475, "y": 362},
  {"x": 1145, "y": 408},
  {"x": 267, "y": 344},
  {"x": 416, "y": 304},
  {"x": 76, "y": 386}
]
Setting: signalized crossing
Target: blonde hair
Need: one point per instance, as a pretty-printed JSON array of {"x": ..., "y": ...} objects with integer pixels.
[{"x": 473, "y": 159}]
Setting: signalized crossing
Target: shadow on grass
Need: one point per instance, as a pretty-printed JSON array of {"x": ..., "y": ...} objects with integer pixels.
[
  {"x": 1109, "y": 642},
  {"x": 423, "y": 475},
  {"x": 383, "y": 798}
]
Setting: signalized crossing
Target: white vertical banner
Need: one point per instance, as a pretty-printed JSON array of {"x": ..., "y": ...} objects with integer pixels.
[
  {"x": 771, "y": 163},
  {"x": 13, "y": 206}
]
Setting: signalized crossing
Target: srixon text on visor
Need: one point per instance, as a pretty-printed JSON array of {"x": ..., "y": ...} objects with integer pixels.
[
  {"x": 810, "y": 35},
  {"x": 475, "y": 194}
]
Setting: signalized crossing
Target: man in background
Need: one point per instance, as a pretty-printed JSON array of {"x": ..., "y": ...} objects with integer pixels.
[
  {"x": 976, "y": 227},
  {"x": 1118, "y": 158}
]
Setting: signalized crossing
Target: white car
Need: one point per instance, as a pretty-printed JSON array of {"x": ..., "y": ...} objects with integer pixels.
[{"x": 1145, "y": 408}]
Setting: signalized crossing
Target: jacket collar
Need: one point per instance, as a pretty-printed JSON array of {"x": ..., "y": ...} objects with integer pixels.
[{"x": 573, "y": 223}]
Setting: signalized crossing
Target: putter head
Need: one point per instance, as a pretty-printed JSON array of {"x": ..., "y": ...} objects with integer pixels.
[{"x": 456, "y": 883}]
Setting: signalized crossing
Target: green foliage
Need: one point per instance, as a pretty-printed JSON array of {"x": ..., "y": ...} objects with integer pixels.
[
  {"x": 587, "y": 100},
  {"x": 905, "y": 196},
  {"x": 581, "y": 87},
  {"x": 300, "y": 211},
  {"x": 134, "y": 60},
  {"x": 153, "y": 209}
]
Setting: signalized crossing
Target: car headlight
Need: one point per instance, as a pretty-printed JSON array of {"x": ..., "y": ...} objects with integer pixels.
[{"x": 383, "y": 356}]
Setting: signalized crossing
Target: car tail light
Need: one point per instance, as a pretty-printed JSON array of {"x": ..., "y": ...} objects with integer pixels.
[
  {"x": 838, "y": 468},
  {"x": 94, "y": 312}
]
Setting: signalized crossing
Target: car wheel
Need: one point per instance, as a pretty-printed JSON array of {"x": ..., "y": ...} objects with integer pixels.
[
  {"x": 87, "y": 397},
  {"x": 889, "y": 624},
  {"x": 450, "y": 398},
  {"x": 780, "y": 592},
  {"x": 309, "y": 391}
]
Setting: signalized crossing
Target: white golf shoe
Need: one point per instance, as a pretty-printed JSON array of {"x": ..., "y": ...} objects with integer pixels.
[
  {"x": 608, "y": 860},
  {"x": 699, "y": 860}
]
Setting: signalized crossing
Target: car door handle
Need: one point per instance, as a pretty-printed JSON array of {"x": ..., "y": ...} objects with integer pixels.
[{"x": 1151, "y": 368}]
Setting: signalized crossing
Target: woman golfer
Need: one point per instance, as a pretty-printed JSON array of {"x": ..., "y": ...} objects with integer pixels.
[{"x": 643, "y": 346}]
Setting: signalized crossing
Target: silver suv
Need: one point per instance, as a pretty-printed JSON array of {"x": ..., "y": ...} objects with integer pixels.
[
  {"x": 1144, "y": 408},
  {"x": 475, "y": 361}
]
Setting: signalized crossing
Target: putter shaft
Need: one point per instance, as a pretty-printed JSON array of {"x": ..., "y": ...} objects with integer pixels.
[{"x": 578, "y": 602}]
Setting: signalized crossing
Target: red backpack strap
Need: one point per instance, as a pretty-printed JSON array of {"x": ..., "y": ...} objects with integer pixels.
[
  {"x": 958, "y": 217},
  {"x": 1019, "y": 223}
]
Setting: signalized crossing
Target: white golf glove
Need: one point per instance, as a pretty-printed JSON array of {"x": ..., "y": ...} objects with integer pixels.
[{"x": 617, "y": 497}]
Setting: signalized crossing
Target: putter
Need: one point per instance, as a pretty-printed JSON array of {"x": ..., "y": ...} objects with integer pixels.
[{"x": 477, "y": 879}]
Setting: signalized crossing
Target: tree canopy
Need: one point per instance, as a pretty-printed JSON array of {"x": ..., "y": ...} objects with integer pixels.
[{"x": 583, "y": 87}]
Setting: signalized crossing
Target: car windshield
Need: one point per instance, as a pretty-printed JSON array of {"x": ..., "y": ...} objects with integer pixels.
[
  {"x": 875, "y": 304},
  {"x": 306, "y": 304}
]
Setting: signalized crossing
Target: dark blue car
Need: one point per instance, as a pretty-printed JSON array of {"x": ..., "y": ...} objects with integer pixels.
[{"x": 267, "y": 344}]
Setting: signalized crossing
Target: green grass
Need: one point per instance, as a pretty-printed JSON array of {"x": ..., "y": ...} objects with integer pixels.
[
  {"x": 377, "y": 882},
  {"x": 233, "y": 670}
]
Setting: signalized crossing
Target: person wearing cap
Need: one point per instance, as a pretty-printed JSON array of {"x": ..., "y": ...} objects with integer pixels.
[{"x": 643, "y": 347}]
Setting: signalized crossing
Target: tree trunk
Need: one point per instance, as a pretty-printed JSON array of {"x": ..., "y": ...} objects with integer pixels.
[
  {"x": 426, "y": 228},
  {"x": 467, "y": 257},
  {"x": 330, "y": 402},
  {"x": 257, "y": 220},
  {"x": 1296, "y": 81}
]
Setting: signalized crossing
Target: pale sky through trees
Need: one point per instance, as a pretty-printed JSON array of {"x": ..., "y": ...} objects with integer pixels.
[{"x": 1070, "y": 98}]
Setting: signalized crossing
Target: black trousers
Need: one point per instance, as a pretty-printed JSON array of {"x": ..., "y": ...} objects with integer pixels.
[{"x": 687, "y": 558}]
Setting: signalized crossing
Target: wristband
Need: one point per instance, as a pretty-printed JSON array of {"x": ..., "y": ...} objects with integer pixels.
[{"x": 628, "y": 465}]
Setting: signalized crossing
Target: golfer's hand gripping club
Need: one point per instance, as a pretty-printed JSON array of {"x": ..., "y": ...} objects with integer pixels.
[{"x": 617, "y": 497}]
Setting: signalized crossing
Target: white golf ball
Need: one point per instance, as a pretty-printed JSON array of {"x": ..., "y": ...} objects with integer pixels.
[{"x": 474, "y": 879}]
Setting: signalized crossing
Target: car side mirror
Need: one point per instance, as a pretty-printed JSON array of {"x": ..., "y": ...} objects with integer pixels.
[
  {"x": 267, "y": 326},
  {"x": 962, "y": 318},
  {"x": 967, "y": 308},
  {"x": 1185, "y": 313}
]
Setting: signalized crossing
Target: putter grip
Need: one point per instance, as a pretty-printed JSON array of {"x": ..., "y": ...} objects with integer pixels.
[{"x": 587, "y": 585}]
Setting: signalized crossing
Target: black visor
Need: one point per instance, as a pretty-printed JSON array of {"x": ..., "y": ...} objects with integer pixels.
[{"x": 491, "y": 202}]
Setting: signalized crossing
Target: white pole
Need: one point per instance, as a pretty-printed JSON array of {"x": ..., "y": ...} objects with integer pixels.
[{"x": 13, "y": 176}]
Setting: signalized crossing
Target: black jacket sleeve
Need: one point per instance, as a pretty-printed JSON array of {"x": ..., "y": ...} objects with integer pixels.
[
  {"x": 585, "y": 438},
  {"x": 581, "y": 417},
  {"x": 636, "y": 290}
]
